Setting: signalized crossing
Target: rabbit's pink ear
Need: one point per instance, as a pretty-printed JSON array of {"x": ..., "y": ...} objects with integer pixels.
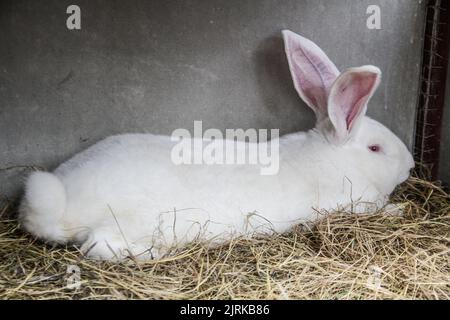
[
  {"x": 347, "y": 101},
  {"x": 312, "y": 71}
]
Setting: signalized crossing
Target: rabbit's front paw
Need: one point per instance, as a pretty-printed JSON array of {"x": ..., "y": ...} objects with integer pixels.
[{"x": 395, "y": 209}]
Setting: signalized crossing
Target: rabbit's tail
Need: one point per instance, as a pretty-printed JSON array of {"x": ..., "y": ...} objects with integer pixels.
[{"x": 42, "y": 209}]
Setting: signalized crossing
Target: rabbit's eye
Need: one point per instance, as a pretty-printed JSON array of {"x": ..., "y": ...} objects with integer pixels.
[{"x": 375, "y": 148}]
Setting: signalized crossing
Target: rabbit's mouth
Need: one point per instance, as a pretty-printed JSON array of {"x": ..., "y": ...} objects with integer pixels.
[
  {"x": 404, "y": 176},
  {"x": 410, "y": 166}
]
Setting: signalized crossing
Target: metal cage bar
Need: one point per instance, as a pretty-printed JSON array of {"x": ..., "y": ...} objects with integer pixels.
[{"x": 432, "y": 89}]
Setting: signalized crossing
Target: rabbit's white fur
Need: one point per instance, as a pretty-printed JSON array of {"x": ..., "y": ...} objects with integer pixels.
[{"x": 124, "y": 196}]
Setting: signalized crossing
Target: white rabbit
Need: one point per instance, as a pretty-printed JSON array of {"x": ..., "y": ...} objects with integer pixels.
[{"x": 124, "y": 196}]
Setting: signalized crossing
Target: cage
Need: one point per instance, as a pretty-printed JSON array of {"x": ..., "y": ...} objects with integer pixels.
[{"x": 72, "y": 74}]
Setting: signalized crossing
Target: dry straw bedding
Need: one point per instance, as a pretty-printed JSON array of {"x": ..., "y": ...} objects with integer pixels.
[{"x": 342, "y": 256}]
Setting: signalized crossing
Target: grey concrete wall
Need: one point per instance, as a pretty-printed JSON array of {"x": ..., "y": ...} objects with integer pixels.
[
  {"x": 444, "y": 165},
  {"x": 154, "y": 66}
]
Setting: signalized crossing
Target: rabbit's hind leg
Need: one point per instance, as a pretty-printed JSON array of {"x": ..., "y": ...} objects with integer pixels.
[{"x": 106, "y": 243}]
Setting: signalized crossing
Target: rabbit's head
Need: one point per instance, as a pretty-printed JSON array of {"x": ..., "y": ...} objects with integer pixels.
[{"x": 339, "y": 101}]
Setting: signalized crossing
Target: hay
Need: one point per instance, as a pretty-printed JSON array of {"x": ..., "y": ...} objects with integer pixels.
[{"x": 343, "y": 256}]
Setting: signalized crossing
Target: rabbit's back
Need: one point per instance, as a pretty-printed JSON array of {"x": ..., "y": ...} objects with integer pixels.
[{"x": 131, "y": 178}]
